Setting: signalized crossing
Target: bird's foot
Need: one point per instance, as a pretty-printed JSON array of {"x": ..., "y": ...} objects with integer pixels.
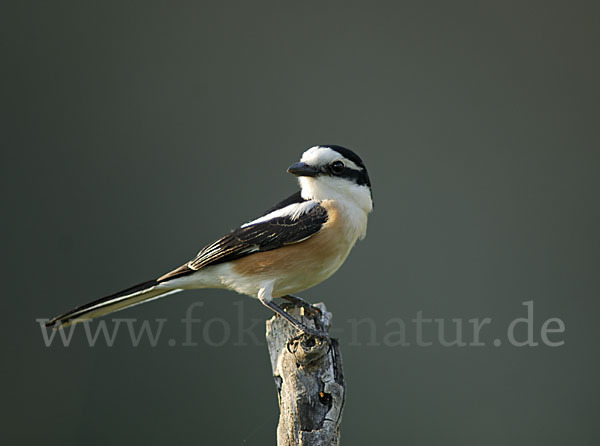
[{"x": 313, "y": 311}]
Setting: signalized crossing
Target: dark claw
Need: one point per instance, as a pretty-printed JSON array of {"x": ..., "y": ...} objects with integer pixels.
[{"x": 316, "y": 333}]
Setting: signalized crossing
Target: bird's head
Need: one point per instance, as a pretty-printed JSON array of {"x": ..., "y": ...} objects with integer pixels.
[{"x": 334, "y": 173}]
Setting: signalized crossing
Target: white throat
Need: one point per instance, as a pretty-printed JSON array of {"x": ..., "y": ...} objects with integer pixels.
[{"x": 352, "y": 199}]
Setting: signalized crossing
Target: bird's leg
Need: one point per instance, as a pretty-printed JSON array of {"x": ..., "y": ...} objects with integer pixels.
[
  {"x": 292, "y": 320},
  {"x": 315, "y": 312}
]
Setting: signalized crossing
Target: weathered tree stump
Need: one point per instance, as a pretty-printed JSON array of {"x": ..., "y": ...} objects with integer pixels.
[{"x": 309, "y": 379}]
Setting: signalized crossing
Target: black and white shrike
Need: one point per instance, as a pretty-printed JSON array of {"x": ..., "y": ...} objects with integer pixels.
[{"x": 293, "y": 246}]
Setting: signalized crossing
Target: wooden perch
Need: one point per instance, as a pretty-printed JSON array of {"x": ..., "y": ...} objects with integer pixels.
[{"x": 309, "y": 379}]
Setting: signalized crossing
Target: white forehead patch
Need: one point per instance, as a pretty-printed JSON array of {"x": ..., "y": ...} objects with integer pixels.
[{"x": 321, "y": 156}]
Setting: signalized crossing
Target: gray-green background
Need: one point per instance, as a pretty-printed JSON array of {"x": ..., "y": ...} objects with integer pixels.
[{"x": 135, "y": 132}]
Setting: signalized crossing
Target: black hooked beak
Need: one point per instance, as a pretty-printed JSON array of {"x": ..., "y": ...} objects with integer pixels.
[{"x": 303, "y": 170}]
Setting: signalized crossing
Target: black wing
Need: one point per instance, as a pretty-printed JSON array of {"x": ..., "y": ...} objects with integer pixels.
[
  {"x": 292, "y": 199},
  {"x": 262, "y": 236}
]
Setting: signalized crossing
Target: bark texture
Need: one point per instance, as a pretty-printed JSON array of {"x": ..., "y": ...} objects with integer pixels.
[{"x": 309, "y": 379}]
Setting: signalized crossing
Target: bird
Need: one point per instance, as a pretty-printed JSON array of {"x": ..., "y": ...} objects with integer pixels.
[{"x": 293, "y": 246}]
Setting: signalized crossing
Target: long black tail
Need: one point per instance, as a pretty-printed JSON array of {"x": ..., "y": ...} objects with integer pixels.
[{"x": 134, "y": 295}]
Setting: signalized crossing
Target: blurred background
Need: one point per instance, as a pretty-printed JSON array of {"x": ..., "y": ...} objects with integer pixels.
[{"x": 133, "y": 133}]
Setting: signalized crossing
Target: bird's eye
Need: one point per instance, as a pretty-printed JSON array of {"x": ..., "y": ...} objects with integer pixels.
[{"x": 337, "y": 167}]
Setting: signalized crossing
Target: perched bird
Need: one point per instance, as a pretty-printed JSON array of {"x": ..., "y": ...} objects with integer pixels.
[{"x": 293, "y": 246}]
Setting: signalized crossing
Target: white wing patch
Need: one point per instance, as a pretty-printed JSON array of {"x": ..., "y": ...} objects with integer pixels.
[{"x": 293, "y": 211}]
